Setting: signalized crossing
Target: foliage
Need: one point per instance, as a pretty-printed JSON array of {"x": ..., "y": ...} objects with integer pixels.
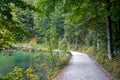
[
  {"x": 5, "y": 40},
  {"x": 7, "y": 5},
  {"x": 21, "y": 74},
  {"x": 63, "y": 45},
  {"x": 46, "y": 67},
  {"x": 57, "y": 23},
  {"x": 9, "y": 20},
  {"x": 89, "y": 14}
]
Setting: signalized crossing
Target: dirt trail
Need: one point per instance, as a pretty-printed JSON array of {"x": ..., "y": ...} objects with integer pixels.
[{"x": 81, "y": 67}]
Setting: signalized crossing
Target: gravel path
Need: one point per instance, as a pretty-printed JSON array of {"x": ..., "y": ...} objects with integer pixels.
[{"x": 81, "y": 67}]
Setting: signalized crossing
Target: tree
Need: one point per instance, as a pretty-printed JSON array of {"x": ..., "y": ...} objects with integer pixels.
[
  {"x": 8, "y": 21},
  {"x": 91, "y": 15},
  {"x": 109, "y": 31}
]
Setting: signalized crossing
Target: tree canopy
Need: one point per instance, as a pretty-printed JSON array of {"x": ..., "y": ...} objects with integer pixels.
[{"x": 79, "y": 21}]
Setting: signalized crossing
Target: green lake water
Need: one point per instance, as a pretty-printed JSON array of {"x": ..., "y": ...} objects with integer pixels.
[{"x": 8, "y": 60}]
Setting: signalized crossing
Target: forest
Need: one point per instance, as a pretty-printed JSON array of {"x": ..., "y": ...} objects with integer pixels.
[{"x": 36, "y": 36}]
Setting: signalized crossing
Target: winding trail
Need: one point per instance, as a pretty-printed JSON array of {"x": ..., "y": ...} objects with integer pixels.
[{"x": 81, "y": 67}]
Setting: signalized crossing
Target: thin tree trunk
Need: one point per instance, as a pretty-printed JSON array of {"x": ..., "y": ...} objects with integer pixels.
[
  {"x": 118, "y": 29},
  {"x": 109, "y": 32},
  {"x": 98, "y": 42},
  {"x": 76, "y": 42}
]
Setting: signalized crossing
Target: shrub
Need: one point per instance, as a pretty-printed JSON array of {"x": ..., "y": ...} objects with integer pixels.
[{"x": 21, "y": 74}]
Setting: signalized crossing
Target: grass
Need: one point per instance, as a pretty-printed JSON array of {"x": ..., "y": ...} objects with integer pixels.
[{"x": 112, "y": 66}]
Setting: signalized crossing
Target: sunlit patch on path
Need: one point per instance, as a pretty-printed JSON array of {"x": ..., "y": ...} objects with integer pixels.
[{"x": 81, "y": 67}]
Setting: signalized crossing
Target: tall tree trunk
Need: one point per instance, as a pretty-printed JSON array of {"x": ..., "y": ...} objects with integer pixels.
[
  {"x": 118, "y": 29},
  {"x": 98, "y": 42},
  {"x": 109, "y": 32},
  {"x": 76, "y": 42}
]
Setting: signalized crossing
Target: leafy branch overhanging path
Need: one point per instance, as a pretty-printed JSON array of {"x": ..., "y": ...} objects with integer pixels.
[{"x": 81, "y": 67}]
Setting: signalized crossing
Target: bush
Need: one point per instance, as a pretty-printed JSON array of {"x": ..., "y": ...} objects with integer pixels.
[
  {"x": 45, "y": 66},
  {"x": 21, "y": 74}
]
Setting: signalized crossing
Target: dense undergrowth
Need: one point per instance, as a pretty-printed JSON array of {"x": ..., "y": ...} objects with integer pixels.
[{"x": 112, "y": 66}]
